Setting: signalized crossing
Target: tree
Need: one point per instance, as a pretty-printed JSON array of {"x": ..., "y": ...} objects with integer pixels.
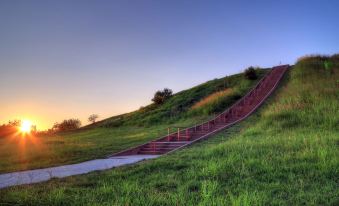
[
  {"x": 14, "y": 123},
  {"x": 92, "y": 118},
  {"x": 250, "y": 73},
  {"x": 161, "y": 96},
  {"x": 10, "y": 128},
  {"x": 55, "y": 126},
  {"x": 68, "y": 124}
]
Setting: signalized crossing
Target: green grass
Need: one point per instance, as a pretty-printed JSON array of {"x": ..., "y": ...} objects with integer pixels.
[
  {"x": 117, "y": 133},
  {"x": 285, "y": 154}
]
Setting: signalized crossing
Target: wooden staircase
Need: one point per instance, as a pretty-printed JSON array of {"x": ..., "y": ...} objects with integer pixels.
[{"x": 237, "y": 112}]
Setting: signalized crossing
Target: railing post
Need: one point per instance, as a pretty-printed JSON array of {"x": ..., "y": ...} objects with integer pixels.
[
  {"x": 178, "y": 134},
  {"x": 168, "y": 134},
  {"x": 187, "y": 135}
]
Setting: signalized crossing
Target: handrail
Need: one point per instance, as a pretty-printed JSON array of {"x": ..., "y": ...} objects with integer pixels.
[
  {"x": 225, "y": 111},
  {"x": 237, "y": 102},
  {"x": 232, "y": 123}
]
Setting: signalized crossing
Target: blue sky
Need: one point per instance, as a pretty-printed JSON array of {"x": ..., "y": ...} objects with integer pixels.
[{"x": 64, "y": 59}]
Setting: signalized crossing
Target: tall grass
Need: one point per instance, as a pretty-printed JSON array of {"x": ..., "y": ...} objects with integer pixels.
[
  {"x": 212, "y": 98},
  {"x": 213, "y": 102}
]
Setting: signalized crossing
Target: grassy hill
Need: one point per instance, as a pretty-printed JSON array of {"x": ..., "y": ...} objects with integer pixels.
[
  {"x": 179, "y": 106},
  {"x": 285, "y": 154},
  {"x": 121, "y": 132}
]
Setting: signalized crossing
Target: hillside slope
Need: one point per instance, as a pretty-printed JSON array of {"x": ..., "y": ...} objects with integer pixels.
[
  {"x": 286, "y": 154},
  {"x": 124, "y": 131},
  {"x": 181, "y": 105}
]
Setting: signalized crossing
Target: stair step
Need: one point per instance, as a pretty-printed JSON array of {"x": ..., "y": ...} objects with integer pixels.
[
  {"x": 151, "y": 152},
  {"x": 169, "y": 142},
  {"x": 158, "y": 148}
]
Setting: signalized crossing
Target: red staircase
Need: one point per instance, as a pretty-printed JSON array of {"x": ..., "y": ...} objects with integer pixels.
[{"x": 237, "y": 112}]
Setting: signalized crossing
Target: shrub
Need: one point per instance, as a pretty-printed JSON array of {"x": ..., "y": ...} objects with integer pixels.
[
  {"x": 7, "y": 129},
  {"x": 93, "y": 117},
  {"x": 161, "y": 96},
  {"x": 250, "y": 73},
  {"x": 68, "y": 124}
]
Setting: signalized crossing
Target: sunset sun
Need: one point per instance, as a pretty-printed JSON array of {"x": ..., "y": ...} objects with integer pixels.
[{"x": 25, "y": 126}]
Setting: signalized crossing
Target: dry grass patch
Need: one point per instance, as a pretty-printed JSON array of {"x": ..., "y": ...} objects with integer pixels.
[{"x": 212, "y": 98}]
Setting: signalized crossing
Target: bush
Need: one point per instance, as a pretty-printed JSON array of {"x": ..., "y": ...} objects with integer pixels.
[
  {"x": 7, "y": 129},
  {"x": 93, "y": 117},
  {"x": 161, "y": 96},
  {"x": 250, "y": 73},
  {"x": 66, "y": 125}
]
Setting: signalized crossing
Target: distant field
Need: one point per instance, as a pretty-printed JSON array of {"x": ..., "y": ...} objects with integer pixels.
[
  {"x": 120, "y": 132},
  {"x": 285, "y": 154}
]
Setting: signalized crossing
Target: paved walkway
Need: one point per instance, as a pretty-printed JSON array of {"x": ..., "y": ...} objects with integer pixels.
[{"x": 40, "y": 175}]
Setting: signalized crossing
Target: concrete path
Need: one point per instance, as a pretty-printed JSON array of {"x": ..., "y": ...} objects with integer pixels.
[{"x": 40, "y": 175}]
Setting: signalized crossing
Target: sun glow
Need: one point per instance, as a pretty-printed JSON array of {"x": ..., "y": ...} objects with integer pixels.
[{"x": 25, "y": 126}]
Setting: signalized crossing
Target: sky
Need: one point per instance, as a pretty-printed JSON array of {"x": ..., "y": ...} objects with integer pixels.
[{"x": 69, "y": 59}]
